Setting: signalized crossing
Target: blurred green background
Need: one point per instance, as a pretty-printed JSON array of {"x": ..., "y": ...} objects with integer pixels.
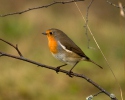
[{"x": 24, "y": 81}]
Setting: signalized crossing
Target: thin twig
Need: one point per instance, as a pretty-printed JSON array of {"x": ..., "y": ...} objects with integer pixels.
[
  {"x": 16, "y": 47},
  {"x": 97, "y": 93},
  {"x": 45, "y": 6},
  {"x": 86, "y": 22},
  {"x": 18, "y": 51}
]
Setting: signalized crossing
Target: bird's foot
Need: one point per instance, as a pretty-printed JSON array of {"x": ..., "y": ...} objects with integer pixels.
[
  {"x": 69, "y": 73},
  {"x": 57, "y": 69}
]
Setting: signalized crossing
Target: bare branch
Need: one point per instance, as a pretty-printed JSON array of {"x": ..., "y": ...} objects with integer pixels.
[
  {"x": 55, "y": 69},
  {"x": 16, "y": 47},
  {"x": 61, "y": 70},
  {"x": 29, "y": 9}
]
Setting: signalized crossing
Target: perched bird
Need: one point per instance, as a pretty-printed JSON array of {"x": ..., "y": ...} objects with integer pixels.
[{"x": 64, "y": 49}]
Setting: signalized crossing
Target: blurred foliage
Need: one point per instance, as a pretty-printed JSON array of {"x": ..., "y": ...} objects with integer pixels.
[
  {"x": 13, "y": 28},
  {"x": 23, "y": 81}
]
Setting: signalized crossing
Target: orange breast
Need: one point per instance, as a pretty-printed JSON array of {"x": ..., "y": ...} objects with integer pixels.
[{"x": 52, "y": 44}]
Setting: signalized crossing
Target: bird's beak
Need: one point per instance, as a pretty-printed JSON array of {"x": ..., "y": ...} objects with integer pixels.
[{"x": 44, "y": 33}]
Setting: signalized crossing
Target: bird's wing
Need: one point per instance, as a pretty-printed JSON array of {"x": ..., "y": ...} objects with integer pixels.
[{"x": 71, "y": 46}]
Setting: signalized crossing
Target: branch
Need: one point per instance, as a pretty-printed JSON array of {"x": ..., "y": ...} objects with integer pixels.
[
  {"x": 112, "y": 96},
  {"x": 16, "y": 47},
  {"x": 45, "y": 6}
]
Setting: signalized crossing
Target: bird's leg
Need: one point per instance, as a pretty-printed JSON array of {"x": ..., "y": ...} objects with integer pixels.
[
  {"x": 57, "y": 68},
  {"x": 70, "y": 71}
]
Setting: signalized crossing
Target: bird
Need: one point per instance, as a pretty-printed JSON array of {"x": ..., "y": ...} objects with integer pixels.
[{"x": 64, "y": 49}]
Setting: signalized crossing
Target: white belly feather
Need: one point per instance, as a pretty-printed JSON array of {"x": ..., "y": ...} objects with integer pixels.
[{"x": 67, "y": 56}]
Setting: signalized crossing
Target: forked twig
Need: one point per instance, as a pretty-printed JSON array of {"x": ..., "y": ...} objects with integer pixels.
[{"x": 16, "y": 47}]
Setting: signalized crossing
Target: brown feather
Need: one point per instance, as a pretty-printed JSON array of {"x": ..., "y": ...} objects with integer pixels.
[{"x": 69, "y": 44}]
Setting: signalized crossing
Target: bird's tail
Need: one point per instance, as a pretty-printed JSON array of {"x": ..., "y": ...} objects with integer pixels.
[{"x": 96, "y": 64}]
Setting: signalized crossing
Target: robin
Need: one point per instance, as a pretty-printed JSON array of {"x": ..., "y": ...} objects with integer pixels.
[{"x": 64, "y": 49}]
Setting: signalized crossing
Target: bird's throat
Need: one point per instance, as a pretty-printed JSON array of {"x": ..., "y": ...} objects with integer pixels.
[{"x": 52, "y": 44}]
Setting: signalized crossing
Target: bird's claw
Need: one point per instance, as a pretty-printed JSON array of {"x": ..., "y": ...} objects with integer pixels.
[
  {"x": 69, "y": 73},
  {"x": 57, "y": 69}
]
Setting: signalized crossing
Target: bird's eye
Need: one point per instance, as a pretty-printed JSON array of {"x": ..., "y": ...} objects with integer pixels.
[{"x": 51, "y": 33}]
